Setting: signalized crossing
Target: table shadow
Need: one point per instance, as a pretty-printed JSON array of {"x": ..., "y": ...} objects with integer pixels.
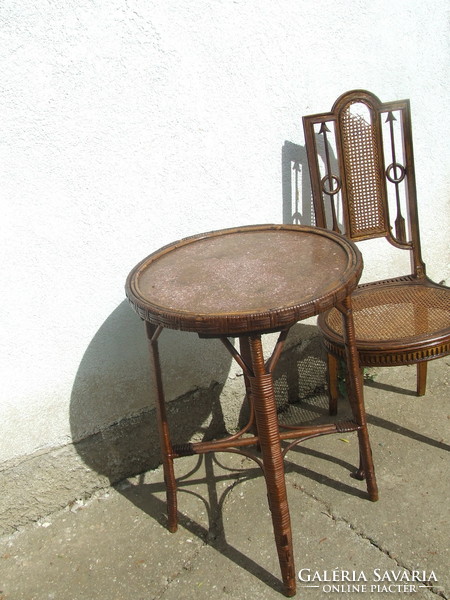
[
  {"x": 112, "y": 419},
  {"x": 214, "y": 533}
]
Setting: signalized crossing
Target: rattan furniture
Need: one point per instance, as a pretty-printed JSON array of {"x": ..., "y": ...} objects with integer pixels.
[
  {"x": 361, "y": 166},
  {"x": 245, "y": 282}
]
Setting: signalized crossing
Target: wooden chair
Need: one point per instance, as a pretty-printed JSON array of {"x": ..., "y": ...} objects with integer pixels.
[{"x": 361, "y": 166}]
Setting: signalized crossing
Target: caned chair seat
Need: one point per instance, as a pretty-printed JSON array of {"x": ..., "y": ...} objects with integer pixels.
[{"x": 395, "y": 323}]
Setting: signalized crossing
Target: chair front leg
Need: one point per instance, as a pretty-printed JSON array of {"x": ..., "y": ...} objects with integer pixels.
[
  {"x": 422, "y": 368},
  {"x": 355, "y": 392}
]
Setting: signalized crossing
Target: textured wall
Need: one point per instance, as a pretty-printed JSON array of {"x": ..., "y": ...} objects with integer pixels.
[{"x": 126, "y": 125}]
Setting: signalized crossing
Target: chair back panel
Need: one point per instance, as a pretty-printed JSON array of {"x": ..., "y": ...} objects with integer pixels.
[
  {"x": 365, "y": 188},
  {"x": 361, "y": 165}
]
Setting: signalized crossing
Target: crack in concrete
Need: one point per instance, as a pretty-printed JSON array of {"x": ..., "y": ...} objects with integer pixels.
[
  {"x": 337, "y": 518},
  {"x": 187, "y": 566}
]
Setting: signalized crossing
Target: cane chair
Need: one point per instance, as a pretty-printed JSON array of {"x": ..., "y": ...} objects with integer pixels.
[{"x": 361, "y": 166}]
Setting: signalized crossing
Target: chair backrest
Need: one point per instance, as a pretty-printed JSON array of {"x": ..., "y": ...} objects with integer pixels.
[{"x": 361, "y": 165}]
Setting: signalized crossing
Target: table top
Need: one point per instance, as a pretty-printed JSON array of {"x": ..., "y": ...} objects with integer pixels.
[{"x": 244, "y": 279}]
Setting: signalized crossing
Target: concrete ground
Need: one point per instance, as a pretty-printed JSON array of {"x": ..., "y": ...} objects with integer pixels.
[{"x": 115, "y": 546}]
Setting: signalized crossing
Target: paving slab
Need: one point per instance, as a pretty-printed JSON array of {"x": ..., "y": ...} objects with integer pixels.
[{"x": 115, "y": 545}]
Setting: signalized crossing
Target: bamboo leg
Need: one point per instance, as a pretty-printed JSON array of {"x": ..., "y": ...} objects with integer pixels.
[
  {"x": 163, "y": 427},
  {"x": 244, "y": 346},
  {"x": 355, "y": 391},
  {"x": 261, "y": 384},
  {"x": 333, "y": 391}
]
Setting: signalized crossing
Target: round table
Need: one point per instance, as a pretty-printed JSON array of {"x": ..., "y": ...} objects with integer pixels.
[{"x": 244, "y": 282}]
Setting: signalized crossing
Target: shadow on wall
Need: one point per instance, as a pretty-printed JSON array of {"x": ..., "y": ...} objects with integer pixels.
[
  {"x": 298, "y": 206},
  {"x": 296, "y": 187},
  {"x": 111, "y": 411}
]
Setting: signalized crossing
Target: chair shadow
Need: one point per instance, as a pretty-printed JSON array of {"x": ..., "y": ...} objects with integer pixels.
[
  {"x": 298, "y": 206},
  {"x": 413, "y": 435},
  {"x": 296, "y": 187},
  {"x": 386, "y": 387}
]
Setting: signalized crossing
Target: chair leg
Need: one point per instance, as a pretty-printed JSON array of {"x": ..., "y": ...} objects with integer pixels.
[
  {"x": 355, "y": 392},
  {"x": 421, "y": 378},
  {"x": 333, "y": 392}
]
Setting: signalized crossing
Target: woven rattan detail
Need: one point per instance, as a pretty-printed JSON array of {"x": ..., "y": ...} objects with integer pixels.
[
  {"x": 397, "y": 313},
  {"x": 363, "y": 177},
  {"x": 345, "y": 426},
  {"x": 184, "y": 449}
]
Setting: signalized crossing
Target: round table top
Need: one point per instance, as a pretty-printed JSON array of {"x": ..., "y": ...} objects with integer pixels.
[{"x": 246, "y": 279}]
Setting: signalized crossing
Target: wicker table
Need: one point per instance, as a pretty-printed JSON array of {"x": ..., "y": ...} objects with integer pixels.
[{"x": 245, "y": 282}]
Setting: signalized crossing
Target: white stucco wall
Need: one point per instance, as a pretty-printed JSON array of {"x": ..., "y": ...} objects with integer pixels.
[{"x": 126, "y": 125}]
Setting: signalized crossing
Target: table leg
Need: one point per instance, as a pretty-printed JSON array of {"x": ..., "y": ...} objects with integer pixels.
[
  {"x": 355, "y": 391},
  {"x": 262, "y": 390},
  {"x": 163, "y": 427},
  {"x": 244, "y": 346}
]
